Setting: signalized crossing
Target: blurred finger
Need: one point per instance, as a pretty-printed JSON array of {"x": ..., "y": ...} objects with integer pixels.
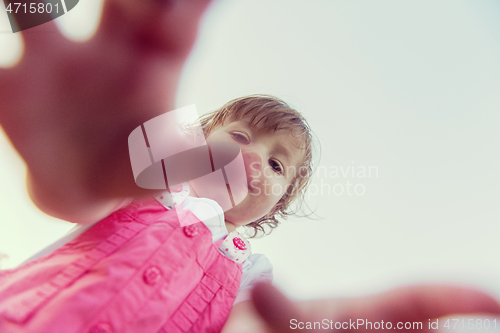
[
  {"x": 274, "y": 307},
  {"x": 405, "y": 305},
  {"x": 421, "y": 303},
  {"x": 167, "y": 25}
]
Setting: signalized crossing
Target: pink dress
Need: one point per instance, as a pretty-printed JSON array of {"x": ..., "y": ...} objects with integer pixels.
[{"x": 137, "y": 270}]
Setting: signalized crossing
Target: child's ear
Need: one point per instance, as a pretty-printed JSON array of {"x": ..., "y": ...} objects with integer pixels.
[{"x": 170, "y": 26}]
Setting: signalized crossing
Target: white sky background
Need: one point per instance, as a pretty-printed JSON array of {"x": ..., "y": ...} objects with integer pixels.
[{"x": 411, "y": 88}]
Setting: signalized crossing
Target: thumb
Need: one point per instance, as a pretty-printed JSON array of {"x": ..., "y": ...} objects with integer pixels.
[{"x": 274, "y": 307}]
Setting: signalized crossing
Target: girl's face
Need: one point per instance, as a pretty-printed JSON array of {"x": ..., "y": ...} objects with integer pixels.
[{"x": 271, "y": 163}]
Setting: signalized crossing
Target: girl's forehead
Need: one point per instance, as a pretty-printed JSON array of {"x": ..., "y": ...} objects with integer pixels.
[{"x": 261, "y": 127}]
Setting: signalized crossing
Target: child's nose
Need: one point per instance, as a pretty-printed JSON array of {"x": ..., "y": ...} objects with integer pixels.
[{"x": 253, "y": 163}]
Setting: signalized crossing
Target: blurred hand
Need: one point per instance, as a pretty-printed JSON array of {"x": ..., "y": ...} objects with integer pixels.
[
  {"x": 68, "y": 107},
  {"x": 409, "y": 304}
]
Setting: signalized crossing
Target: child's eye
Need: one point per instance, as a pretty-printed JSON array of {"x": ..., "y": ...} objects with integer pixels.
[
  {"x": 276, "y": 166},
  {"x": 240, "y": 138}
]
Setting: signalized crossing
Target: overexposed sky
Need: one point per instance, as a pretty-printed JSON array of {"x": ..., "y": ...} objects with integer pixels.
[{"x": 408, "y": 90}]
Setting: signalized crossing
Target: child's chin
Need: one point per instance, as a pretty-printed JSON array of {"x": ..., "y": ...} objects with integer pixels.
[{"x": 231, "y": 216}]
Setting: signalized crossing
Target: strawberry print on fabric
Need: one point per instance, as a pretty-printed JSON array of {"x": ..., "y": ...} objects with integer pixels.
[
  {"x": 236, "y": 247},
  {"x": 174, "y": 198}
]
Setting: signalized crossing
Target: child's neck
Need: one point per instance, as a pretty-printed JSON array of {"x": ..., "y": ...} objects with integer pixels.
[{"x": 229, "y": 226}]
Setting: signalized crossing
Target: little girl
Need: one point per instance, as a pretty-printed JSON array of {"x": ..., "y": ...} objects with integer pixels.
[{"x": 138, "y": 270}]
